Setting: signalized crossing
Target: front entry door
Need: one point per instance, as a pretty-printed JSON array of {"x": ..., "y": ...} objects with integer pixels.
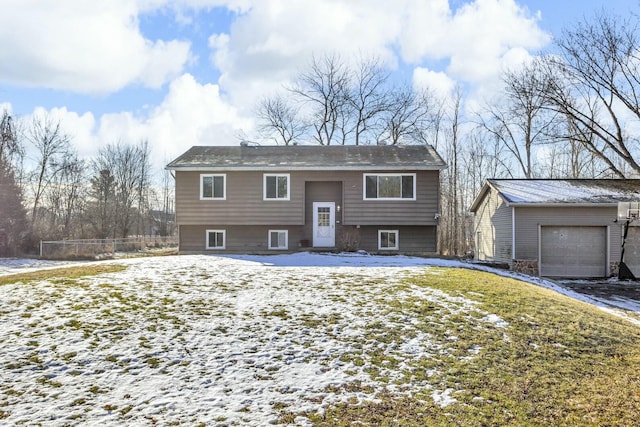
[{"x": 324, "y": 224}]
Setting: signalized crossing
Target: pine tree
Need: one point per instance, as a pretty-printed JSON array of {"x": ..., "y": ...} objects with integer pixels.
[{"x": 13, "y": 217}]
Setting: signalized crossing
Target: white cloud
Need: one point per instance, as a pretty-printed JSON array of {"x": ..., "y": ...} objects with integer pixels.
[
  {"x": 190, "y": 114},
  {"x": 274, "y": 39},
  {"x": 436, "y": 81},
  {"x": 89, "y": 47}
]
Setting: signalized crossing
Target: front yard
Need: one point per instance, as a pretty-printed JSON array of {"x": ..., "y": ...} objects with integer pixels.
[{"x": 188, "y": 340}]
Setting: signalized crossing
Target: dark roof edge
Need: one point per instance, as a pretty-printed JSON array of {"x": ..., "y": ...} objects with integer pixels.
[{"x": 305, "y": 168}]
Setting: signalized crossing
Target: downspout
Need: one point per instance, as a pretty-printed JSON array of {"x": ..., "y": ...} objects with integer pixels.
[{"x": 513, "y": 234}]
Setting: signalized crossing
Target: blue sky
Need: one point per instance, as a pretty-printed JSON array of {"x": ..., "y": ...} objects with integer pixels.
[{"x": 190, "y": 72}]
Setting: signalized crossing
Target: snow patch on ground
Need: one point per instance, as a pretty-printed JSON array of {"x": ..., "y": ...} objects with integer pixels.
[
  {"x": 190, "y": 339},
  {"x": 229, "y": 339}
]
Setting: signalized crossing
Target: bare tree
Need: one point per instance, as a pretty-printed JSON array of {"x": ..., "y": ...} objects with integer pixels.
[
  {"x": 520, "y": 121},
  {"x": 368, "y": 99},
  {"x": 128, "y": 167},
  {"x": 595, "y": 84},
  {"x": 101, "y": 206},
  {"x": 324, "y": 88},
  {"x": 52, "y": 147},
  {"x": 409, "y": 113},
  {"x": 64, "y": 198},
  {"x": 280, "y": 121}
]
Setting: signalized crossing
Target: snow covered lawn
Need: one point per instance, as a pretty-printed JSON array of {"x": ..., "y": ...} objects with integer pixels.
[
  {"x": 192, "y": 339},
  {"x": 233, "y": 340}
]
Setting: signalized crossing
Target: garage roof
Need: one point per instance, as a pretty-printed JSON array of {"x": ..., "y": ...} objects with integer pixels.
[{"x": 539, "y": 192}]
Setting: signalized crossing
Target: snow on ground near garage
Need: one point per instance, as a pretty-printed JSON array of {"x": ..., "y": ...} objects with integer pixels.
[{"x": 233, "y": 339}]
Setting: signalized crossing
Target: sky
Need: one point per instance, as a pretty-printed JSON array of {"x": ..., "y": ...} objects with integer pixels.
[{"x": 179, "y": 73}]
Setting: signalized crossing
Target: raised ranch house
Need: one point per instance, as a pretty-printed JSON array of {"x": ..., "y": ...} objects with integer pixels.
[
  {"x": 255, "y": 199},
  {"x": 556, "y": 228}
]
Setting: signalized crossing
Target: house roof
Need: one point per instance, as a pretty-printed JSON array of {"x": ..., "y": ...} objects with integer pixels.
[
  {"x": 553, "y": 192},
  {"x": 310, "y": 157}
]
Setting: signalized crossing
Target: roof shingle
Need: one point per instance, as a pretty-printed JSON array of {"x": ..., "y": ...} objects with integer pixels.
[{"x": 309, "y": 157}]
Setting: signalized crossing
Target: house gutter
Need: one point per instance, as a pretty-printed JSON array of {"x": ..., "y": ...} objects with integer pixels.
[
  {"x": 564, "y": 205},
  {"x": 303, "y": 168}
]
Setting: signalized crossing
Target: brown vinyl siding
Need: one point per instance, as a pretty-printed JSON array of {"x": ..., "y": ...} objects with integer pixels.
[
  {"x": 322, "y": 191},
  {"x": 241, "y": 239},
  {"x": 254, "y": 239},
  {"x": 528, "y": 220},
  {"x": 410, "y": 239},
  {"x": 493, "y": 220},
  {"x": 244, "y": 204},
  {"x": 399, "y": 212}
]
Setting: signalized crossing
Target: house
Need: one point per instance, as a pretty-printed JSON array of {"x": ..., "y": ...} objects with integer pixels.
[
  {"x": 555, "y": 228},
  {"x": 256, "y": 199}
]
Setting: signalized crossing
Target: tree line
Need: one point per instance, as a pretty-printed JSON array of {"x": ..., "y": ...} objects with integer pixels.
[
  {"x": 572, "y": 112},
  {"x": 47, "y": 192}
]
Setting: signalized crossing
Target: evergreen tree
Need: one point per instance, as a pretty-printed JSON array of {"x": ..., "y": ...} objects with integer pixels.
[{"x": 13, "y": 218}]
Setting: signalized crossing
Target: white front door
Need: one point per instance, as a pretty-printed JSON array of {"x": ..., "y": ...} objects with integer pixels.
[{"x": 324, "y": 224}]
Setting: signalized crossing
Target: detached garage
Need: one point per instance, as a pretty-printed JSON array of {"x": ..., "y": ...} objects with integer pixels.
[{"x": 554, "y": 228}]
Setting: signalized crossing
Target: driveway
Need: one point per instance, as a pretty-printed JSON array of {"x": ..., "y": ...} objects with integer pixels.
[{"x": 615, "y": 293}]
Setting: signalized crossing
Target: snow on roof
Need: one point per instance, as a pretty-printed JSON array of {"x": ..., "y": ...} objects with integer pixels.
[{"x": 562, "y": 191}]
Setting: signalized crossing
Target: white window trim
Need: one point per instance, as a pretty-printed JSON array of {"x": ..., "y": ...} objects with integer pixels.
[
  {"x": 397, "y": 247},
  {"x": 224, "y": 187},
  {"x": 286, "y": 240},
  {"x": 264, "y": 186},
  {"x": 224, "y": 240},
  {"x": 395, "y": 199}
]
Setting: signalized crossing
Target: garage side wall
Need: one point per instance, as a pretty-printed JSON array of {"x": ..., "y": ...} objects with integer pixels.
[
  {"x": 529, "y": 219},
  {"x": 493, "y": 229}
]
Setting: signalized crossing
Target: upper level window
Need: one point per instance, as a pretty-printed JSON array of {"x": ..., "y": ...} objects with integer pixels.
[
  {"x": 390, "y": 186},
  {"x": 276, "y": 186},
  {"x": 213, "y": 187}
]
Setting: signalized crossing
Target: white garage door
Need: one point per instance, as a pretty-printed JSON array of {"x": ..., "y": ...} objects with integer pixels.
[{"x": 573, "y": 251}]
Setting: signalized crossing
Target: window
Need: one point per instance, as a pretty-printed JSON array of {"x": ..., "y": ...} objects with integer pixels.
[
  {"x": 216, "y": 239},
  {"x": 213, "y": 187},
  {"x": 276, "y": 187},
  {"x": 388, "y": 239},
  {"x": 278, "y": 239},
  {"x": 389, "y": 186}
]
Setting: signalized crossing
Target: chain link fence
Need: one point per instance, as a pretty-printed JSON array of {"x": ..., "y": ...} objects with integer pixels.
[{"x": 104, "y": 248}]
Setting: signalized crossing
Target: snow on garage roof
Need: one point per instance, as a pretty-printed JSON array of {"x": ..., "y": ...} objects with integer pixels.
[{"x": 562, "y": 191}]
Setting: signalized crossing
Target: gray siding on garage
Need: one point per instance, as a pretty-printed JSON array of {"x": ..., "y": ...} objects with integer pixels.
[
  {"x": 529, "y": 219},
  {"x": 493, "y": 231}
]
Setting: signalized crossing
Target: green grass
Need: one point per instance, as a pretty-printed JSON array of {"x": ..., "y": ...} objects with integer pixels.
[
  {"x": 62, "y": 275},
  {"x": 558, "y": 362}
]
